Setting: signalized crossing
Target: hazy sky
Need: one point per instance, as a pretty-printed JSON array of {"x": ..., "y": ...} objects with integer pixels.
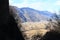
[{"x": 49, "y": 5}]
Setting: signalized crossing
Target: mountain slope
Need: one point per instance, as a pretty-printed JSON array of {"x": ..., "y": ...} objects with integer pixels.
[{"x": 32, "y": 15}]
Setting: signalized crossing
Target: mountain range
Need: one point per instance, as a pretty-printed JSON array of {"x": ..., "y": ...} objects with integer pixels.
[{"x": 32, "y": 15}]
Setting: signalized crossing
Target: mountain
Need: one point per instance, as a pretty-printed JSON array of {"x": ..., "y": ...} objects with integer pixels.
[{"x": 31, "y": 15}]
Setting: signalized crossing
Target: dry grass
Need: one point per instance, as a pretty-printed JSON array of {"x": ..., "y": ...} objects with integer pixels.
[
  {"x": 34, "y": 25},
  {"x": 33, "y": 28}
]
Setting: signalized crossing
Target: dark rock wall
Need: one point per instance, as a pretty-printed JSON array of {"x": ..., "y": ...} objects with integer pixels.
[{"x": 8, "y": 26}]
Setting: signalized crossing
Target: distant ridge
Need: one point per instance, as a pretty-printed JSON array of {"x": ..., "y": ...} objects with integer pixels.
[{"x": 32, "y": 15}]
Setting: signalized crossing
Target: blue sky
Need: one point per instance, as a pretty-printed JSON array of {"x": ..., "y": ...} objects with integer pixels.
[{"x": 48, "y": 5}]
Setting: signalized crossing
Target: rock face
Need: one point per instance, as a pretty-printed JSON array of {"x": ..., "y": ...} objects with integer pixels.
[{"x": 32, "y": 23}]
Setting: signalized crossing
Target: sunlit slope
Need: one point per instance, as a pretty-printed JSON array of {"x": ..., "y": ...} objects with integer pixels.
[
  {"x": 34, "y": 25},
  {"x": 34, "y": 28}
]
